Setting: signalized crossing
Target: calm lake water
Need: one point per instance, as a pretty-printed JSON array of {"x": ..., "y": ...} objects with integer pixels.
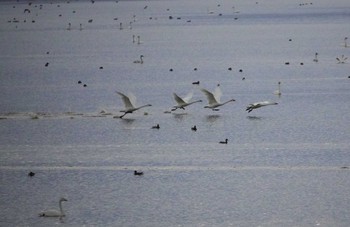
[{"x": 284, "y": 165}]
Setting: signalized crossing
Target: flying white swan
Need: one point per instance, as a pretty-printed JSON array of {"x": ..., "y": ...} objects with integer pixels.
[
  {"x": 257, "y": 105},
  {"x": 129, "y": 103},
  {"x": 139, "y": 61},
  {"x": 54, "y": 213},
  {"x": 278, "y": 91},
  {"x": 183, "y": 102},
  {"x": 214, "y": 99}
]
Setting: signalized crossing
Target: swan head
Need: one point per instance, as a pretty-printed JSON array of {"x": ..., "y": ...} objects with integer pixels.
[{"x": 63, "y": 199}]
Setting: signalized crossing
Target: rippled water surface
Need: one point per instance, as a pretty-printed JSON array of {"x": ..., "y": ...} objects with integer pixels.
[{"x": 284, "y": 165}]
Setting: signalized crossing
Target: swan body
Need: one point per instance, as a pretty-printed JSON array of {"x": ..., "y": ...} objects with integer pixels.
[
  {"x": 183, "y": 102},
  {"x": 257, "y": 105},
  {"x": 129, "y": 104},
  {"x": 139, "y": 61},
  {"x": 214, "y": 98},
  {"x": 54, "y": 213}
]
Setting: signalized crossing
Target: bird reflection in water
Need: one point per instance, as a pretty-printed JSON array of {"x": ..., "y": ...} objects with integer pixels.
[
  {"x": 212, "y": 118},
  {"x": 254, "y": 118},
  {"x": 127, "y": 121}
]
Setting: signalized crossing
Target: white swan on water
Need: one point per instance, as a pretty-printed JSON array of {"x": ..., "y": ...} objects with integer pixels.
[
  {"x": 129, "y": 102},
  {"x": 214, "y": 98},
  {"x": 183, "y": 102},
  {"x": 54, "y": 213},
  {"x": 257, "y": 105}
]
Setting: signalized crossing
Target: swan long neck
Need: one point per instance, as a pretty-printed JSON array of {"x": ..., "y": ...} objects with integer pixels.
[
  {"x": 61, "y": 209},
  {"x": 194, "y": 102},
  {"x": 144, "y": 106},
  {"x": 231, "y": 100}
]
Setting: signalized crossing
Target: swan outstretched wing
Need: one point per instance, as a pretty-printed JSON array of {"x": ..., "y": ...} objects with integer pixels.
[
  {"x": 132, "y": 99},
  {"x": 128, "y": 104},
  {"x": 178, "y": 99},
  {"x": 217, "y": 93},
  {"x": 257, "y": 105},
  {"x": 188, "y": 97},
  {"x": 210, "y": 96}
]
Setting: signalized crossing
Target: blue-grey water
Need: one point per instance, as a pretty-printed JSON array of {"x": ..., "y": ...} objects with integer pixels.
[{"x": 284, "y": 165}]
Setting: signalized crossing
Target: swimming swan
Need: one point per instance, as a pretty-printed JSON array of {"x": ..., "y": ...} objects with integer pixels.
[
  {"x": 129, "y": 103},
  {"x": 214, "y": 99},
  {"x": 316, "y": 59},
  {"x": 257, "y": 105},
  {"x": 183, "y": 102},
  {"x": 278, "y": 91},
  {"x": 54, "y": 213}
]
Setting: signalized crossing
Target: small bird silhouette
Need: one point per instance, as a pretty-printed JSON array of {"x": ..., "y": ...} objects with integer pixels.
[
  {"x": 224, "y": 142},
  {"x": 138, "y": 173}
]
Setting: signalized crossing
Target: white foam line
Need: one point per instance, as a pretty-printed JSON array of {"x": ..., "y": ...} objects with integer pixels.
[{"x": 180, "y": 168}]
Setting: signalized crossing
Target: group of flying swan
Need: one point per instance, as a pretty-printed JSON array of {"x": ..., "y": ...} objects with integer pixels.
[{"x": 212, "y": 97}]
